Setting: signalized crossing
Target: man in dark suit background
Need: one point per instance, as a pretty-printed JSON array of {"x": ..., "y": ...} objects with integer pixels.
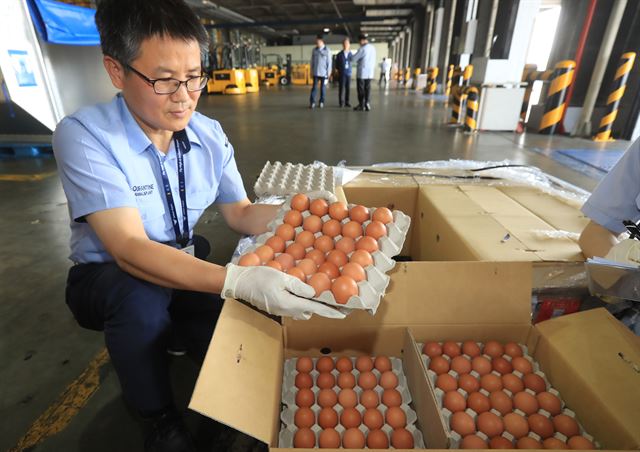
[{"x": 343, "y": 65}]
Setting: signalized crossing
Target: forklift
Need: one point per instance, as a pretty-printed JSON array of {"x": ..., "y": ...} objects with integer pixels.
[
  {"x": 273, "y": 71},
  {"x": 227, "y": 81}
]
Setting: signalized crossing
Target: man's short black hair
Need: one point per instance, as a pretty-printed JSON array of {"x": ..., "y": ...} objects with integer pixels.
[
  {"x": 363, "y": 37},
  {"x": 320, "y": 36},
  {"x": 125, "y": 24}
]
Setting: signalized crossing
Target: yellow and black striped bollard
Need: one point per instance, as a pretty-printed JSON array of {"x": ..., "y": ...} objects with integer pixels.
[
  {"x": 613, "y": 101},
  {"x": 528, "y": 70},
  {"x": 555, "y": 103},
  {"x": 456, "y": 95},
  {"x": 449, "y": 77},
  {"x": 466, "y": 75},
  {"x": 471, "y": 121},
  {"x": 432, "y": 83}
]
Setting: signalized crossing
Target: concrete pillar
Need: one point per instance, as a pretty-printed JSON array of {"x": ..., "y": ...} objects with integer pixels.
[
  {"x": 436, "y": 39},
  {"x": 445, "y": 47},
  {"x": 426, "y": 38},
  {"x": 407, "y": 56}
]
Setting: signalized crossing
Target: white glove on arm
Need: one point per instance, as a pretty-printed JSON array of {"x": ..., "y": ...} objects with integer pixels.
[{"x": 274, "y": 292}]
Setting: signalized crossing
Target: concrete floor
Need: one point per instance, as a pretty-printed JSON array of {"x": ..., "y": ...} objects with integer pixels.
[{"x": 44, "y": 350}]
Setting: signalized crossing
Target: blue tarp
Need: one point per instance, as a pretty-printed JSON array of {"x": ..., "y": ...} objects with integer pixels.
[{"x": 60, "y": 23}]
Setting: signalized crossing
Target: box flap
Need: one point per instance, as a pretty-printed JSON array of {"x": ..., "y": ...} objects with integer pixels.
[
  {"x": 241, "y": 377},
  {"x": 597, "y": 371}
]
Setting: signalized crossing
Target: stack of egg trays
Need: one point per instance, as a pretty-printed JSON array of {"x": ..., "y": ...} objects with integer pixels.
[
  {"x": 288, "y": 428},
  {"x": 284, "y": 179},
  {"x": 446, "y": 414}
]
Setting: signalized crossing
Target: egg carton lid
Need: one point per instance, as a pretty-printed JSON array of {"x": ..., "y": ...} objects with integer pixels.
[{"x": 283, "y": 179}]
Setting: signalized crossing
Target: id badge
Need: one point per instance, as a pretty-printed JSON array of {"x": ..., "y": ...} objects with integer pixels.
[{"x": 191, "y": 250}]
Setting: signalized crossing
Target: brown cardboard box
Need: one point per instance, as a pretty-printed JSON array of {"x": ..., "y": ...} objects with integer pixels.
[{"x": 241, "y": 378}]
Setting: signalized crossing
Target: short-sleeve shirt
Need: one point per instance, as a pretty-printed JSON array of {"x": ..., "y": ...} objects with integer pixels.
[
  {"x": 617, "y": 197},
  {"x": 106, "y": 161}
]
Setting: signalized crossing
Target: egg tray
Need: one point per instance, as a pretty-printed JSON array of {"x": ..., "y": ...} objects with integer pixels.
[
  {"x": 289, "y": 390},
  {"x": 284, "y": 179},
  {"x": 446, "y": 414}
]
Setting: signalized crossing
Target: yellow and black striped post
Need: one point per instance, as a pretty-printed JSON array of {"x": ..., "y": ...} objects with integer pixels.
[
  {"x": 416, "y": 72},
  {"x": 471, "y": 120},
  {"x": 466, "y": 75},
  {"x": 432, "y": 83},
  {"x": 613, "y": 101},
  {"x": 447, "y": 90},
  {"x": 456, "y": 96},
  {"x": 555, "y": 103},
  {"x": 528, "y": 70}
]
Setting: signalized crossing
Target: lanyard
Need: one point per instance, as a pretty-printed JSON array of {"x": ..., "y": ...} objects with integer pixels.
[{"x": 182, "y": 146}]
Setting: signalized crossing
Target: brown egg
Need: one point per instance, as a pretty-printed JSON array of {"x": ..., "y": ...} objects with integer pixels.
[
  {"x": 346, "y": 245},
  {"x": 332, "y": 228},
  {"x": 468, "y": 383},
  {"x": 373, "y": 419},
  {"x": 306, "y": 239},
  {"x": 350, "y": 418},
  {"x": 300, "y": 202},
  {"x": 344, "y": 288},
  {"x": 329, "y": 439},
  {"x": 316, "y": 256},
  {"x": 312, "y": 223},
  {"x": 249, "y": 260},
  {"x": 525, "y": 402},
  {"x": 549, "y": 403},
  {"x": 285, "y": 232},
  {"x": 534, "y": 382},
  {"x": 324, "y": 364},
  {"x": 471, "y": 349},
  {"x": 297, "y": 273},
  {"x": 501, "y": 365},
  {"x": 276, "y": 243},
  {"x": 439, "y": 365},
  {"x": 481, "y": 365},
  {"x": 265, "y": 253},
  {"x": 478, "y": 402},
  {"x": 462, "y": 423},
  {"x": 377, "y": 439},
  {"x": 338, "y": 258},
  {"x": 432, "y": 349},
  {"x": 580, "y": 442},
  {"x": 566, "y": 425},
  {"x": 307, "y": 266},
  {"x": 359, "y": 214},
  {"x": 293, "y": 217},
  {"x": 354, "y": 271},
  {"x": 304, "y": 364},
  {"x": 275, "y": 265},
  {"x": 304, "y": 438},
  {"x": 446, "y": 382},
  {"x": 352, "y": 229},
  {"x": 304, "y": 417},
  {"x": 527, "y": 442},
  {"x": 396, "y": 417},
  {"x": 382, "y": 363},
  {"x": 329, "y": 269},
  {"x": 522, "y": 365},
  {"x": 401, "y": 438},
  {"x": 490, "y": 424},
  {"x": 347, "y": 397},
  {"x": 512, "y": 383},
  {"x": 368, "y": 244},
  {"x": 512, "y": 349},
  {"x": 353, "y": 438},
  {"x": 383, "y": 215},
  {"x": 388, "y": 380},
  {"x": 391, "y": 397},
  {"x": 326, "y": 381},
  {"x": 364, "y": 363},
  {"x": 320, "y": 283},
  {"x": 491, "y": 383},
  {"x": 461, "y": 365},
  {"x": 369, "y": 399},
  {"x": 303, "y": 381},
  {"x": 554, "y": 444},
  {"x": 501, "y": 402},
  {"x": 327, "y": 418},
  {"x": 327, "y": 398},
  {"x": 540, "y": 425},
  {"x": 493, "y": 348},
  {"x": 473, "y": 442},
  {"x": 344, "y": 364},
  {"x": 305, "y": 398},
  {"x": 500, "y": 442},
  {"x": 296, "y": 250},
  {"x": 376, "y": 230},
  {"x": 454, "y": 401},
  {"x": 367, "y": 380},
  {"x": 319, "y": 207},
  {"x": 338, "y": 211},
  {"x": 324, "y": 243},
  {"x": 451, "y": 349},
  {"x": 346, "y": 380},
  {"x": 516, "y": 424}
]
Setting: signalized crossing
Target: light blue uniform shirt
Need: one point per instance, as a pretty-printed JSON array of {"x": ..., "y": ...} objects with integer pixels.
[
  {"x": 366, "y": 59},
  {"x": 106, "y": 161},
  {"x": 617, "y": 197},
  {"x": 320, "y": 62}
]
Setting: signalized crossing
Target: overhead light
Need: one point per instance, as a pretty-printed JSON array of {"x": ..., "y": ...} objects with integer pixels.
[
  {"x": 373, "y": 39},
  {"x": 326, "y": 30}
]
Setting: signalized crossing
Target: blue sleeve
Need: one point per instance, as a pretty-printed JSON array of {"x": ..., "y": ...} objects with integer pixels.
[
  {"x": 616, "y": 197},
  {"x": 358, "y": 56},
  {"x": 91, "y": 178},
  {"x": 231, "y": 189}
]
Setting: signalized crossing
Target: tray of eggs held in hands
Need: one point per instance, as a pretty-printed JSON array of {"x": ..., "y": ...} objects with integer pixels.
[{"x": 342, "y": 251}]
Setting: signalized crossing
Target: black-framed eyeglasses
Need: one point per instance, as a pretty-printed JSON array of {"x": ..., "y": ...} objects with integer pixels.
[{"x": 171, "y": 85}]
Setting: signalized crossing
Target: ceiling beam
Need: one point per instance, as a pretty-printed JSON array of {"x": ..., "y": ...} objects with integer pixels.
[{"x": 326, "y": 20}]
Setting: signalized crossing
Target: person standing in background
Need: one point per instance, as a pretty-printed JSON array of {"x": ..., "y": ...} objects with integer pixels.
[
  {"x": 385, "y": 68},
  {"x": 343, "y": 66},
  {"x": 320, "y": 70},
  {"x": 366, "y": 59}
]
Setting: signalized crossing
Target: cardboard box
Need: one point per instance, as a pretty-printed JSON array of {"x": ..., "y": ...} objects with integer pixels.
[{"x": 588, "y": 357}]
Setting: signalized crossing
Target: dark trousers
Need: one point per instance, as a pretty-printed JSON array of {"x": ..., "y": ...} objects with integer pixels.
[
  {"x": 138, "y": 318},
  {"x": 317, "y": 80},
  {"x": 364, "y": 91},
  {"x": 343, "y": 91}
]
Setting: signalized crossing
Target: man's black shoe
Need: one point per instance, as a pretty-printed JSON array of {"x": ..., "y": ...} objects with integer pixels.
[
  {"x": 367, "y": 107},
  {"x": 312, "y": 106},
  {"x": 168, "y": 434},
  {"x": 348, "y": 105},
  {"x": 358, "y": 108}
]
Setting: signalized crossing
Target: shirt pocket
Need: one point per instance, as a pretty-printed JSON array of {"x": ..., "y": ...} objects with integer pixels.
[
  {"x": 154, "y": 221},
  {"x": 197, "y": 202}
]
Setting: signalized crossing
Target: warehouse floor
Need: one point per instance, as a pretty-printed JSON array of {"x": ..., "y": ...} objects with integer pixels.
[{"x": 57, "y": 388}]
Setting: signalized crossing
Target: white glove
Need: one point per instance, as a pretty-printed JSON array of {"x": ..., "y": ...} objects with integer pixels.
[{"x": 274, "y": 292}]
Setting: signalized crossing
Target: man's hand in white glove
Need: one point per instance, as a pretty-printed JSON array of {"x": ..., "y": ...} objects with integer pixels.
[{"x": 274, "y": 292}]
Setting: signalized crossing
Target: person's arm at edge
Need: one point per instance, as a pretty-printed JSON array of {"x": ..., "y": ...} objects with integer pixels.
[{"x": 247, "y": 218}]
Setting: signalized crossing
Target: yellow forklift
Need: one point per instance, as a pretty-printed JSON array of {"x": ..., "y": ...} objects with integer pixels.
[
  {"x": 273, "y": 71},
  {"x": 227, "y": 81},
  {"x": 252, "y": 80},
  {"x": 301, "y": 74}
]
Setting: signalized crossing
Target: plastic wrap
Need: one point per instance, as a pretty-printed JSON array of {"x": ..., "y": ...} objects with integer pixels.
[{"x": 554, "y": 234}]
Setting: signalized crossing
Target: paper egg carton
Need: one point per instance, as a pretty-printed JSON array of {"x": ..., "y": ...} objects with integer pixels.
[{"x": 281, "y": 179}]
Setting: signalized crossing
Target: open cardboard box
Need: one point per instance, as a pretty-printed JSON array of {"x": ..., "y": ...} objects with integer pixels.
[{"x": 589, "y": 357}]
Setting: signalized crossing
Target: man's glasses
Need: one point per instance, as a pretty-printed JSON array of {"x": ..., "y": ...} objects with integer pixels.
[{"x": 171, "y": 85}]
